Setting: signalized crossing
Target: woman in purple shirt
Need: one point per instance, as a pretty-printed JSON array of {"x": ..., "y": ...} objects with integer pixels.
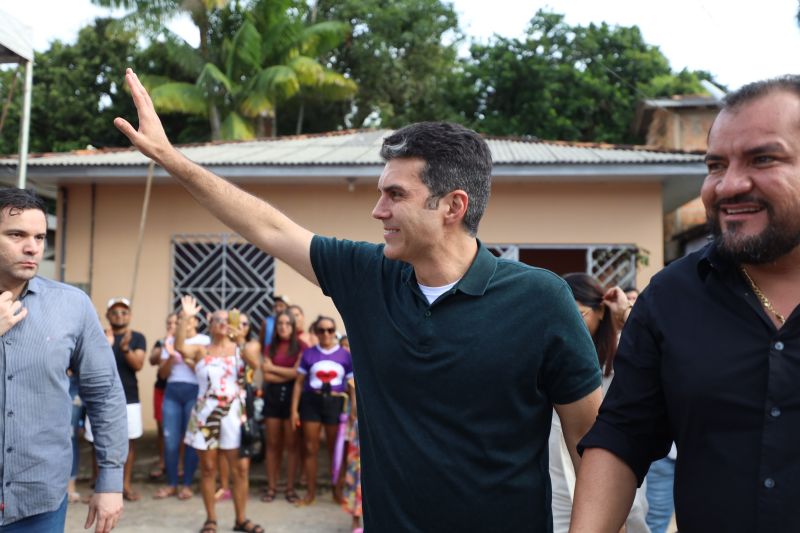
[{"x": 322, "y": 376}]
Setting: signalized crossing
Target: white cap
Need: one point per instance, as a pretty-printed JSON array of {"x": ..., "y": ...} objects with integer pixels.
[{"x": 118, "y": 301}]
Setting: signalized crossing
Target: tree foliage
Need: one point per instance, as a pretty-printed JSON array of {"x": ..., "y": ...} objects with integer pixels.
[
  {"x": 568, "y": 82},
  {"x": 76, "y": 92},
  {"x": 402, "y": 55},
  {"x": 267, "y": 66}
]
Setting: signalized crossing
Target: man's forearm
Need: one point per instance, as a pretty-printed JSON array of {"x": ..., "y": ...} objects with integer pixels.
[{"x": 603, "y": 494}]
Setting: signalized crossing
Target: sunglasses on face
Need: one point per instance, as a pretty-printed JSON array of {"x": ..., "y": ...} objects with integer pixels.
[
  {"x": 219, "y": 320},
  {"x": 329, "y": 331}
]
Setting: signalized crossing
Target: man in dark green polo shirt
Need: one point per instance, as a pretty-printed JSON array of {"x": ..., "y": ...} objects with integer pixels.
[{"x": 459, "y": 356}]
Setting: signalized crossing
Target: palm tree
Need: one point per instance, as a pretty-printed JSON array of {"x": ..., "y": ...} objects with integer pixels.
[
  {"x": 152, "y": 15},
  {"x": 240, "y": 83},
  {"x": 281, "y": 53}
]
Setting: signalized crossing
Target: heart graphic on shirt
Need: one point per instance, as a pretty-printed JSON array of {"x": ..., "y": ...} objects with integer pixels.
[{"x": 326, "y": 376}]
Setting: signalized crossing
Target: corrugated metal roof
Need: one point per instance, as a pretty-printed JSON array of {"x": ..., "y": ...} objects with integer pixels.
[
  {"x": 361, "y": 147},
  {"x": 16, "y": 41}
]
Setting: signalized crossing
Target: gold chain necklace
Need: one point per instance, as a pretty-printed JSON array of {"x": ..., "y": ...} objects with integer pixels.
[{"x": 762, "y": 297}]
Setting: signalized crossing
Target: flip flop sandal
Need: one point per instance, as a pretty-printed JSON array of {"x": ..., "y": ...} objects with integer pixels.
[
  {"x": 253, "y": 528},
  {"x": 292, "y": 496},
  {"x": 269, "y": 496},
  {"x": 210, "y": 526},
  {"x": 165, "y": 492}
]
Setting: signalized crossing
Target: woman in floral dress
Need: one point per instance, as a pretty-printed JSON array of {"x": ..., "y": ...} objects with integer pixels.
[{"x": 216, "y": 419}]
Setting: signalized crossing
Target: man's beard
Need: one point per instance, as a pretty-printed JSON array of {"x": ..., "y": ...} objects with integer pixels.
[{"x": 781, "y": 236}]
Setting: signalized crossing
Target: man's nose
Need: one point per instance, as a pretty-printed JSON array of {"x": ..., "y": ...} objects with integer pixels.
[
  {"x": 734, "y": 182},
  {"x": 380, "y": 211},
  {"x": 31, "y": 246}
]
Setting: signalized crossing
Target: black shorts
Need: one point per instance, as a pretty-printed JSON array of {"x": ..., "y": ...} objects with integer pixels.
[
  {"x": 320, "y": 408},
  {"x": 278, "y": 400}
]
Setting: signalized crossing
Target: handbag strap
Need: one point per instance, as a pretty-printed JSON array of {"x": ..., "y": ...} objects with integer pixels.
[{"x": 249, "y": 402}]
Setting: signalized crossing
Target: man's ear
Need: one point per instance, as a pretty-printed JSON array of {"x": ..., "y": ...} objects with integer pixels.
[{"x": 457, "y": 202}]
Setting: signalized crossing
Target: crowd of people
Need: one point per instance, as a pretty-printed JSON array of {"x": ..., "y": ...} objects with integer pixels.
[
  {"x": 307, "y": 386},
  {"x": 307, "y": 390}
]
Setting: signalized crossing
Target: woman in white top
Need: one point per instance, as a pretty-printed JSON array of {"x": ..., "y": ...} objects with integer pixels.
[{"x": 604, "y": 314}]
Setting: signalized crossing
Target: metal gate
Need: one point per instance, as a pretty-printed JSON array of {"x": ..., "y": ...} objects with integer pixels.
[
  {"x": 222, "y": 271},
  {"x": 612, "y": 264}
]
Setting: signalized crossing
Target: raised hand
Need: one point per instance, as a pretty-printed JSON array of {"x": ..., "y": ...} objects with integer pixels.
[
  {"x": 11, "y": 312},
  {"x": 150, "y": 138},
  {"x": 618, "y": 304},
  {"x": 189, "y": 305}
]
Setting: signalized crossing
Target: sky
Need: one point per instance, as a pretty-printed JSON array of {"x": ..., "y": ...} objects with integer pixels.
[{"x": 737, "y": 42}]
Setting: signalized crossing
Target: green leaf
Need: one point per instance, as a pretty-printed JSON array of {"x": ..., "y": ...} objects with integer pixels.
[
  {"x": 211, "y": 79},
  {"x": 179, "y": 97},
  {"x": 321, "y": 38},
  {"x": 247, "y": 46},
  {"x": 278, "y": 82},
  {"x": 334, "y": 86},
  {"x": 237, "y": 128},
  {"x": 308, "y": 71}
]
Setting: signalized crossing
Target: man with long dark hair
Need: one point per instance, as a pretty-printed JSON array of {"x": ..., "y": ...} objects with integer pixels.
[{"x": 454, "y": 401}]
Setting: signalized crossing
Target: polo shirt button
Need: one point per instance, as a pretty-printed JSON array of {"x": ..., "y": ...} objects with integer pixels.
[
  {"x": 769, "y": 483},
  {"x": 8, "y": 341},
  {"x": 10, "y": 377},
  {"x": 8, "y": 483},
  {"x": 10, "y": 413},
  {"x": 775, "y": 412},
  {"x": 778, "y": 346},
  {"x": 10, "y": 449},
  {"x": 427, "y": 313}
]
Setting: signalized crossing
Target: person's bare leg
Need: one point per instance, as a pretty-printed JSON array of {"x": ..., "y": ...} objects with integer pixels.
[
  {"x": 240, "y": 467},
  {"x": 331, "y": 432},
  {"x": 311, "y": 434},
  {"x": 274, "y": 454},
  {"x": 127, "y": 473},
  {"x": 292, "y": 455},
  {"x": 224, "y": 469},
  {"x": 301, "y": 454},
  {"x": 208, "y": 480}
]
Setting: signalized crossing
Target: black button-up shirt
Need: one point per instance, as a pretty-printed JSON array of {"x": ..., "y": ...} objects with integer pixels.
[{"x": 700, "y": 362}]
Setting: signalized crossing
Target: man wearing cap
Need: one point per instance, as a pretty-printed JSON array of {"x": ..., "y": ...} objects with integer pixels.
[
  {"x": 46, "y": 328},
  {"x": 129, "y": 352}
]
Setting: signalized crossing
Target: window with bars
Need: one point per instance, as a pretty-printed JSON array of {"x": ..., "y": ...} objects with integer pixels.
[
  {"x": 222, "y": 271},
  {"x": 611, "y": 264}
]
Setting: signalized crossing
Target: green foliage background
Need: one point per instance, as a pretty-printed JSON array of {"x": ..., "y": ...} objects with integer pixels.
[{"x": 559, "y": 81}]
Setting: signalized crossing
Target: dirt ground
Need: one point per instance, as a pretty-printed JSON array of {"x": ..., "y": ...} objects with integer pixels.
[{"x": 174, "y": 516}]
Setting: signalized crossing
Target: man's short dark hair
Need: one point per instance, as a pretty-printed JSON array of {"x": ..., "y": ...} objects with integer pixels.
[
  {"x": 455, "y": 158},
  {"x": 757, "y": 89},
  {"x": 20, "y": 200}
]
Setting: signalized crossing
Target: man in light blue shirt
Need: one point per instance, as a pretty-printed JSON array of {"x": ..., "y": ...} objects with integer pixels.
[{"x": 47, "y": 327}]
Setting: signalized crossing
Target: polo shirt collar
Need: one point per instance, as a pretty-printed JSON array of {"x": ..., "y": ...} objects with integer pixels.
[
  {"x": 477, "y": 277},
  {"x": 479, "y": 273}
]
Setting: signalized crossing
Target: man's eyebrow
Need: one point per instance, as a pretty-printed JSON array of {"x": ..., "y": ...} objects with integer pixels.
[
  {"x": 392, "y": 188},
  {"x": 765, "y": 149}
]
